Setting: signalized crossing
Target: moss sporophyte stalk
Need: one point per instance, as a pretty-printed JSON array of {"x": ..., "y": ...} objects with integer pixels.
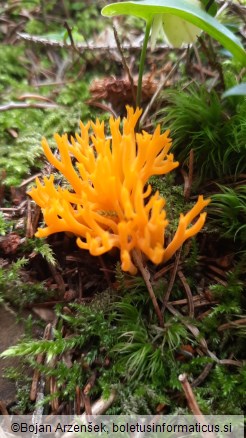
[{"x": 109, "y": 203}]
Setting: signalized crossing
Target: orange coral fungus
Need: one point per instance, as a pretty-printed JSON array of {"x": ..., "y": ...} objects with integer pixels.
[{"x": 108, "y": 204}]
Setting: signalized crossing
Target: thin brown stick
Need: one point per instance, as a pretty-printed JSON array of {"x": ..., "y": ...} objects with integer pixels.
[
  {"x": 159, "y": 88},
  {"x": 217, "y": 279},
  {"x": 43, "y": 384},
  {"x": 203, "y": 375},
  {"x": 39, "y": 360},
  {"x": 98, "y": 408},
  {"x": 30, "y": 179},
  {"x": 194, "y": 330},
  {"x": 78, "y": 400},
  {"x": 193, "y": 405},
  {"x": 80, "y": 285},
  {"x": 18, "y": 105},
  {"x": 206, "y": 71},
  {"x": 188, "y": 293},
  {"x": 198, "y": 300},
  {"x": 53, "y": 390},
  {"x": 90, "y": 383},
  {"x": 137, "y": 257},
  {"x": 29, "y": 227},
  {"x": 126, "y": 68},
  {"x": 188, "y": 178},
  {"x": 186, "y": 183},
  {"x": 35, "y": 217},
  {"x": 163, "y": 271},
  {"x": 191, "y": 170},
  {"x": 65, "y": 9},
  {"x": 87, "y": 403},
  {"x": 13, "y": 209},
  {"x": 231, "y": 362},
  {"x": 70, "y": 36},
  {"x": 171, "y": 281},
  {"x": 35, "y": 378},
  {"x": 57, "y": 277},
  {"x": 232, "y": 324},
  {"x": 35, "y": 97},
  {"x": 102, "y": 106},
  {"x": 105, "y": 271},
  {"x": 218, "y": 271}
]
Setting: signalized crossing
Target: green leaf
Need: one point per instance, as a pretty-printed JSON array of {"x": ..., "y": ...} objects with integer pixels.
[
  {"x": 147, "y": 9},
  {"x": 238, "y": 90}
]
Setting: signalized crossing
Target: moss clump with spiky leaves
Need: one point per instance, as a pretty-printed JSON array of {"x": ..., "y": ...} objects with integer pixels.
[{"x": 214, "y": 129}]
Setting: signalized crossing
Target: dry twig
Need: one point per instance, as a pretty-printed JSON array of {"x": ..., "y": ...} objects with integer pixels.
[
  {"x": 18, "y": 105},
  {"x": 39, "y": 360},
  {"x": 203, "y": 375},
  {"x": 171, "y": 281},
  {"x": 193, "y": 405},
  {"x": 126, "y": 68},
  {"x": 232, "y": 324},
  {"x": 137, "y": 257},
  {"x": 98, "y": 408},
  {"x": 188, "y": 293}
]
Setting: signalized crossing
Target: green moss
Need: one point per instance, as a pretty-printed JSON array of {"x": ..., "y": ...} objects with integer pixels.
[
  {"x": 16, "y": 287},
  {"x": 228, "y": 212},
  {"x": 215, "y": 130}
]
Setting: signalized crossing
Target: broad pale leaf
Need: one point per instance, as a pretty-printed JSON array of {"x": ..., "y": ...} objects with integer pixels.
[
  {"x": 238, "y": 90},
  {"x": 147, "y": 9}
]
